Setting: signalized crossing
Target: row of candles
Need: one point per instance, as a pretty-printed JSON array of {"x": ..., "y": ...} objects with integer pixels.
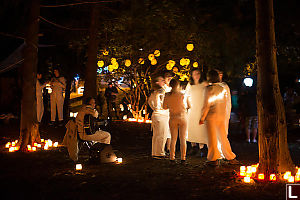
[
  {"x": 45, "y": 144},
  {"x": 78, "y": 167},
  {"x": 249, "y": 173}
]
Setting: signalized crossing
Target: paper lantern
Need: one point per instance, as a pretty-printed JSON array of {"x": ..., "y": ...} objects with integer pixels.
[
  {"x": 195, "y": 64},
  {"x": 105, "y": 52},
  {"x": 113, "y": 60},
  {"x": 119, "y": 160},
  {"x": 110, "y": 68},
  {"x": 172, "y": 63},
  {"x": 272, "y": 177},
  {"x": 261, "y": 177},
  {"x": 287, "y": 175},
  {"x": 141, "y": 61},
  {"x": 297, "y": 177},
  {"x": 153, "y": 61},
  {"x": 168, "y": 66},
  {"x": 190, "y": 47},
  {"x": 242, "y": 168},
  {"x": 100, "y": 63},
  {"x": 7, "y": 145},
  {"x": 242, "y": 173},
  {"x": 182, "y": 62},
  {"x": 127, "y": 62},
  {"x": 247, "y": 179},
  {"x": 187, "y": 61},
  {"x": 291, "y": 179},
  {"x": 151, "y": 57},
  {"x": 156, "y": 53},
  {"x": 115, "y": 65},
  {"x": 78, "y": 167}
]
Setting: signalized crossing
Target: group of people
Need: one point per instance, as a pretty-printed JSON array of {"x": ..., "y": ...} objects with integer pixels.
[
  {"x": 58, "y": 85},
  {"x": 200, "y": 115}
]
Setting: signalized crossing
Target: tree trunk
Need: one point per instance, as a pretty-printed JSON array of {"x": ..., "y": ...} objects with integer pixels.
[
  {"x": 90, "y": 85},
  {"x": 29, "y": 126},
  {"x": 274, "y": 156}
]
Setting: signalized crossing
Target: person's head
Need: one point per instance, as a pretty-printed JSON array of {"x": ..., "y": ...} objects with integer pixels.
[
  {"x": 157, "y": 82},
  {"x": 213, "y": 76},
  {"x": 220, "y": 74},
  {"x": 168, "y": 77},
  {"x": 174, "y": 84},
  {"x": 56, "y": 73},
  {"x": 39, "y": 75},
  {"x": 195, "y": 76},
  {"x": 90, "y": 101}
]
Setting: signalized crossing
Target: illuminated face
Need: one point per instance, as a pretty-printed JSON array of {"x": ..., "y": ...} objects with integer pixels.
[
  {"x": 196, "y": 75},
  {"x": 93, "y": 103},
  {"x": 160, "y": 81},
  {"x": 167, "y": 80},
  {"x": 56, "y": 73}
]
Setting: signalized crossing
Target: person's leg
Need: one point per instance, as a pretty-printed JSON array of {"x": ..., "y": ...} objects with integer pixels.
[
  {"x": 158, "y": 138},
  {"x": 39, "y": 108},
  {"x": 213, "y": 152},
  {"x": 53, "y": 107},
  {"x": 182, "y": 137},
  {"x": 222, "y": 137},
  {"x": 247, "y": 129},
  {"x": 60, "y": 107},
  {"x": 99, "y": 136},
  {"x": 254, "y": 129},
  {"x": 174, "y": 133}
]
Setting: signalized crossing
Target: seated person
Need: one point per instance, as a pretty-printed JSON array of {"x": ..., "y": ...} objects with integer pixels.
[{"x": 89, "y": 109}]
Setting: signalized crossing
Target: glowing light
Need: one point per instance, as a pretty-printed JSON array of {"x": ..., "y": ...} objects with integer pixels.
[
  {"x": 35, "y": 144},
  {"x": 48, "y": 87},
  {"x": 287, "y": 175},
  {"x": 195, "y": 64},
  {"x": 247, "y": 179},
  {"x": 125, "y": 117},
  {"x": 261, "y": 177},
  {"x": 100, "y": 63},
  {"x": 7, "y": 145},
  {"x": 78, "y": 167},
  {"x": 297, "y": 177},
  {"x": 39, "y": 146},
  {"x": 113, "y": 60},
  {"x": 141, "y": 61},
  {"x": 242, "y": 173},
  {"x": 248, "y": 82},
  {"x": 33, "y": 148},
  {"x": 80, "y": 90},
  {"x": 105, "y": 52},
  {"x": 55, "y": 144},
  {"x": 13, "y": 144},
  {"x": 156, "y": 53},
  {"x": 168, "y": 66},
  {"x": 127, "y": 63},
  {"x": 218, "y": 97},
  {"x": 291, "y": 179},
  {"x": 190, "y": 47},
  {"x": 11, "y": 149},
  {"x": 253, "y": 169},
  {"x": 151, "y": 57},
  {"x": 119, "y": 160},
  {"x": 153, "y": 61},
  {"x": 42, "y": 140},
  {"x": 242, "y": 168},
  {"x": 46, "y": 147},
  {"x": 272, "y": 177}
]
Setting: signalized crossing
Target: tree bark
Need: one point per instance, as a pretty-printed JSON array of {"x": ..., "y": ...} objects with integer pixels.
[
  {"x": 274, "y": 156},
  {"x": 29, "y": 126},
  {"x": 90, "y": 85}
]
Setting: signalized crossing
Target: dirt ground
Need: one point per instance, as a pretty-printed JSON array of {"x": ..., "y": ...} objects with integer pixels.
[{"x": 51, "y": 175}]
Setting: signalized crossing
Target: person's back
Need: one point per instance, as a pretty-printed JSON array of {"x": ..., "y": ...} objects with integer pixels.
[
  {"x": 217, "y": 102},
  {"x": 175, "y": 103}
]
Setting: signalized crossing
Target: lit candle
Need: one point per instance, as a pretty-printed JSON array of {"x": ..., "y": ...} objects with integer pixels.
[
  {"x": 35, "y": 144},
  {"x": 249, "y": 168},
  {"x": 55, "y": 144},
  {"x": 242, "y": 168},
  {"x": 272, "y": 177},
  {"x": 46, "y": 147},
  {"x": 39, "y": 145},
  {"x": 291, "y": 179},
  {"x": 119, "y": 160},
  {"x": 29, "y": 147},
  {"x": 242, "y": 173},
  {"x": 7, "y": 145},
  {"x": 16, "y": 141},
  {"x": 49, "y": 143},
  {"x": 78, "y": 167},
  {"x": 13, "y": 144},
  {"x": 33, "y": 148},
  {"x": 253, "y": 169},
  {"x": 42, "y": 140},
  {"x": 297, "y": 177},
  {"x": 287, "y": 175},
  {"x": 261, "y": 176},
  {"x": 247, "y": 179},
  {"x": 11, "y": 149},
  {"x": 16, "y": 148}
]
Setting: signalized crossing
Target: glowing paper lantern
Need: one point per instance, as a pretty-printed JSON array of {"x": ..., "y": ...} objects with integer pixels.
[
  {"x": 242, "y": 168},
  {"x": 78, "y": 167},
  {"x": 297, "y": 177},
  {"x": 119, "y": 160},
  {"x": 172, "y": 63},
  {"x": 272, "y": 177},
  {"x": 115, "y": 65},
  {"x": 153, "y": 61},
  {"x": 46, "y": 147},
  {"x": 42, "y": 140},
  {"x": 113, "y": 60},
  {"x": 156, "y": 53},
  {"x": 261, "y": 177},
  {"x": 182, "y": 62},
  {"x": 151, "y": 57},
  {"x": 110, "y": 68},
  {"x": 39, "y": 146},
  {"x": 105, "y": 52},
  {"x": 291, "y": 179},
  {"x": 190, "y": 47},
  {"x": 187, "y": 61},
  {"x": 168, "y": 66},
  {"x": 287, "y": 175},
  {"x": 100, "y": 63},
  {"x": 7, "y": 145},
  {"x": 13, "y": 144},
  {"x": 253, "y": 169},
  {"x": 55, "y": 144},
  {"x": 125, "y": 117},
  {"x": 141, "y": 61},
  {"x": 127, "y": 63},
  {"x": 195, "y": 64},
  {"x": 247, "y": 179},
  {"x": 33, "y": 148},
  {"x": 242, "y": 173},
  {"x": 11, "y": 149}
]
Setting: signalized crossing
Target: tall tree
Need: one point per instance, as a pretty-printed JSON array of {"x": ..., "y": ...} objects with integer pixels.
[
  {"x": 90, "y": 85},
  {"x": 274, "y": 156},
  {"x": 29, "y": 126}
]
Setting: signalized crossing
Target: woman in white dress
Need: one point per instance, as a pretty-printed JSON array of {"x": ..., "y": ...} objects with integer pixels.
[
  {"x": 195, "y": 93},
  {"x": 160, "y": 118}
]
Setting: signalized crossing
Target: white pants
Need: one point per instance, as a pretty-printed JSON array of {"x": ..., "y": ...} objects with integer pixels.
[
  {"x": 56, "y": 100},
  {"x": 99, "y": 136},
  {"x": 217, "y": 132},
  {"x": 160, "y": 126},
  {"x": 39, "y": 108}
]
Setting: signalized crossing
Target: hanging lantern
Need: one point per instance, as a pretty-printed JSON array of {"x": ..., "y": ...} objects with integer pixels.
[
  {"x": 115, "y": 65},
  {"x": 105, "y": 52},
  {"x": 156, "y": 53},
  {"x": 187, "y": 62},
  {"x": 127, "y": 63},
  {"x": 168, "y": 66},
  {"x": 175, "y": 70},
  {"x": 110, "y": 68},
  {"x": 190, "y": 47},
  {"x": 141, "y": 61},
  {"x": 113, "y": 60},
  {"x": 182, "y": 61},
  {"x": 151, "y": 57},
  {"x": 153, "y": 61},
  {"x": 172, "y": 63},
  {"x": 100, "y": 63},
  {"x": 195, "y": 64}
]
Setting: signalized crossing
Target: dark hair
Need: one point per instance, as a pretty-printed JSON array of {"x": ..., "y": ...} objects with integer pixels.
[
  {"x": 192, "y": 81},
  {"x": 174, "y": 83},
  {"x": 153, "y": 82},
  {"x": 213, "y": 76},
  {"x": 87, "y": 100},
  {"x": 168, "y": 74}
]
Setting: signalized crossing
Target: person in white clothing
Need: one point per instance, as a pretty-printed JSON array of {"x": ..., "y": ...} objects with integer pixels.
[
  {"x": 160, "y": 118},
  {"x": 58, "y": 85},
  {"x": 213, "y": 115},
  {"x": 174, "y": 101},
  {"x": 195, "y": 93},
  {"x": 89, "y": 109},
  {"x": 39, "y": 97}
]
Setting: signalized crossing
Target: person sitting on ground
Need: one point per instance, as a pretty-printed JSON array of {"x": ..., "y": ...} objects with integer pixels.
[{"x": 89, "y": 109}]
